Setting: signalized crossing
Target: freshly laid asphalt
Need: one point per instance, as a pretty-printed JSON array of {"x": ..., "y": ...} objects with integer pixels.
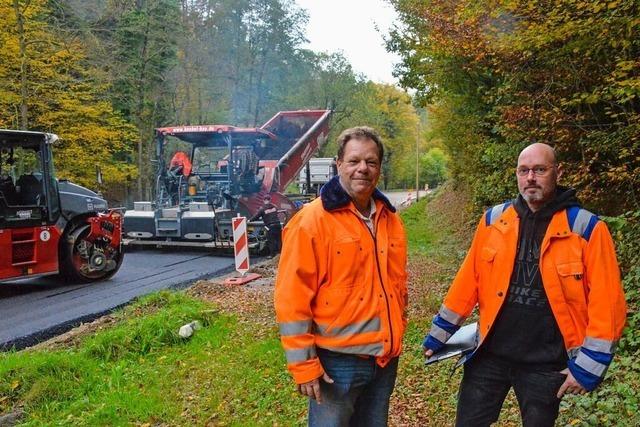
[{"x": 37, "y": 309}]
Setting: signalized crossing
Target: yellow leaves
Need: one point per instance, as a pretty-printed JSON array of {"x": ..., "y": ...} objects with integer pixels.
[
  {"x": 613, "y": 4},
  {"x": 62, "y": 98},
  {"x": 591, "y": 98},
  {"x": 627, "y": 65},
  {"x": 15, "y": 384}
]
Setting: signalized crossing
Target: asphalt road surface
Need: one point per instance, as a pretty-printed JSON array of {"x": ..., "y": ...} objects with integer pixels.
[
  {"x": 37, "y": 309},
  {"x": 401, "y": 199}
]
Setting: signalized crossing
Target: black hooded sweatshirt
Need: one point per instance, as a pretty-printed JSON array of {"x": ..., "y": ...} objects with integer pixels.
[{"x": 525, "y": 331}]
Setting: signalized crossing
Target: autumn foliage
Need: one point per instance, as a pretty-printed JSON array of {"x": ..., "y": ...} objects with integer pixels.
[
  {"x": 497, "y": 75},
  {"x": 565, "y": 72},
  {"x": 46, "y": 84}
]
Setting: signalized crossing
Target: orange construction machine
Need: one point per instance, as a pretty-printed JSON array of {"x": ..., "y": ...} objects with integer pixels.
[{"x": 220, "y": 171}]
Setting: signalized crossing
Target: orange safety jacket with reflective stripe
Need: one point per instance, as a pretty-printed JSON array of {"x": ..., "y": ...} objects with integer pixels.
[
  {"x": 340, "y": 286},
  {"x": 580, "y": 276}
]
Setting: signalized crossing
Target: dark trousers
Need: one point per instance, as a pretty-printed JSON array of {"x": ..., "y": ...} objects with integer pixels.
[
  {"x": 359, "y": 395},
  {"x": 274, "y": 239},
  {"x": 486, "y": 382}
]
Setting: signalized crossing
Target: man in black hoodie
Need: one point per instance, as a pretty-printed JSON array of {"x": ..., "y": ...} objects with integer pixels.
[{"x": 543, "y": 332}]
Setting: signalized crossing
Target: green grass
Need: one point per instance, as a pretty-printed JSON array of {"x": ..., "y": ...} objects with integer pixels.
[
  {"x": 141, "y": 371},
  {"x": 421, "y": 237},
  {"x": 430, "y": 230}
]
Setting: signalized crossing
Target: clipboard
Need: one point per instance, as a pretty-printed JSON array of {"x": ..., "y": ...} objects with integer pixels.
[{"x": 464, "y": 341}]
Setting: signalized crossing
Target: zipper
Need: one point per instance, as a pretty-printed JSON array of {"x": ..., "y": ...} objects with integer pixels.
[{"x": 384, "y": 290}]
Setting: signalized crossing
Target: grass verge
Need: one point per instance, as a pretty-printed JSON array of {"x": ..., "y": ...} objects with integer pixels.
[{"x": 141, "y": 372}]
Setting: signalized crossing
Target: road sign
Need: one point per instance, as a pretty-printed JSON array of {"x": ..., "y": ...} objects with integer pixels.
[{"x": 240, "y": 244}]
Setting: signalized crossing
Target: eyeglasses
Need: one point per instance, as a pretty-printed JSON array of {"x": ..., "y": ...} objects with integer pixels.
[{"x": 537, "y": 170}]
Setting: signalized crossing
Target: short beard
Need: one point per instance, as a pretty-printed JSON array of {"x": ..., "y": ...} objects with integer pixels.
[{"x": 532, "y": 198}]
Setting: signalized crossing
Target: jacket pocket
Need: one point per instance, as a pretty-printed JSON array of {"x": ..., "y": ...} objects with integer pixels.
[
  {"x": 334, "y": 304},
  {"x": 344, "y": 260},
  {"x": 486, "y": 271},
  {"x": 488, "y": 254},
  {"x": 571, "y": 276}
]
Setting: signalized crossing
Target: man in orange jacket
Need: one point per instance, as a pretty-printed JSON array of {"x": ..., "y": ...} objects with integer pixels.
[
  {"x": 544, "y": 274},
  {"x": 341, "y": 293},
  {"x": 180, "y": 164}
]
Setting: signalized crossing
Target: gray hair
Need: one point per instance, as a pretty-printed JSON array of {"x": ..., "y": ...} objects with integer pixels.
[{"x": 361, "y": 133}]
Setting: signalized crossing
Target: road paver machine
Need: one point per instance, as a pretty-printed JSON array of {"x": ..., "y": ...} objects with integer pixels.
[{"x": 208, "y": 174}]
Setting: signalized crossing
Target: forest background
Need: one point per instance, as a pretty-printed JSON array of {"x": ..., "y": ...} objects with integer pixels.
[{"x": 103, "y": 74}]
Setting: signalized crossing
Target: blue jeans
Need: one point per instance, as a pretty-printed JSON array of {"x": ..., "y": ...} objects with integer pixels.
[
  {"x": 359, "y": 395},
  {"x": 486, "y": 382}
]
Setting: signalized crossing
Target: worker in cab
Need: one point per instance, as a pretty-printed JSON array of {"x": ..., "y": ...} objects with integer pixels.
[{"x": 180, "y": 164}]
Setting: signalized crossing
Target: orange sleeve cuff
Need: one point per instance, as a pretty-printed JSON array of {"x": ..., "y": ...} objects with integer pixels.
[{"x": 306, "y": 371}]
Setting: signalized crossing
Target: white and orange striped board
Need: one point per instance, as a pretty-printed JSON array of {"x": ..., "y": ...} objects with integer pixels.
[
  {"x": 240, "y": 244},
  {"x": 241, "y": 252}
]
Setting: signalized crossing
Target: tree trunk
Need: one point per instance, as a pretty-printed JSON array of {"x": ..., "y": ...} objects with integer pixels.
[
  {"x": 140, "y": 111},
  {"x": 259, "y": 87},
  {"x": 24, "y": 92}
]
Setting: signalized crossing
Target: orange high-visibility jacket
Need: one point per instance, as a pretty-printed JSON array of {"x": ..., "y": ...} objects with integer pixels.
[
  {"x": 180, "y": 158},
  {"x": 580, "y": 276},
  {"x": 338, "y": 287}
]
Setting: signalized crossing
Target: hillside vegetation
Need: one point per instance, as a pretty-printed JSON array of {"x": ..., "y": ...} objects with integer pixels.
[{"x": 497, "y": 75}]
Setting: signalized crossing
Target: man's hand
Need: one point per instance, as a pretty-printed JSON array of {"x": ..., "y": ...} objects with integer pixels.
[
  {"x": 312, "y": 388},
  {"x": 570, "y": 385},
  {"x": 427, "y": 352}
]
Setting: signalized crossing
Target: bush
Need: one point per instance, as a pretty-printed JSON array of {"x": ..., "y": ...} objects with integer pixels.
[{"x": 616, "y": 401}]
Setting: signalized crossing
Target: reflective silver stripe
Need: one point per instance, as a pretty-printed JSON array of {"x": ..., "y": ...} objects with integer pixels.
[
  {"x": 597, "y": 344},
  {"x": 371, "y": 325},
  {"x": 582, "y": 221},
  {"x": 300, "y": 327},
  {"x": 440, "y": 334},
  {"x": 590, "y": 365},
  {"x": 496, "y": 211},
  {"x": 375, "y": 349},
  {"x": 451, "y": 316},
  {"x": 300, "y": 355},
  {"x": 573, "y": 352}
]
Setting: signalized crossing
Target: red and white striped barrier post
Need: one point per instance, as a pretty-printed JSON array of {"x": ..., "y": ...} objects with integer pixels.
[
  {"x": 241, "y": 252},
  {"x": 240, "y": 244}
]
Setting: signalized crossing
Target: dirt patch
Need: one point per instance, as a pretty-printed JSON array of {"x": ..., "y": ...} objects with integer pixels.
[
  {"x": 72, "y": 338},
  {"x": 252, "y": 302}
]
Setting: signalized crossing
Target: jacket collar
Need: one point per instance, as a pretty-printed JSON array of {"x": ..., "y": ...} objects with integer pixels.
[
  {"x": 558, "y": 227},
  {"x": 334, "y": 197}
]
